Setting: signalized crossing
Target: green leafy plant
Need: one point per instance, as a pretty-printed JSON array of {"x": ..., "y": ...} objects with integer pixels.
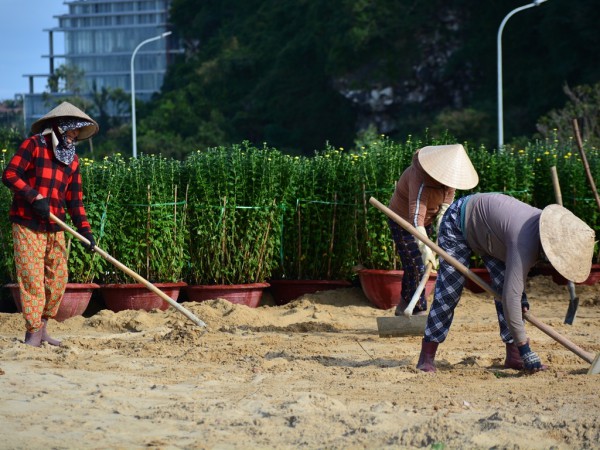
[
  {"x": 143, "y": 221},
  {"x": 319, "y": 234},
  {"x": 234, "y": 199},
  {"x": 7, "y": 262},
  {"x": 242, "y": 214}
]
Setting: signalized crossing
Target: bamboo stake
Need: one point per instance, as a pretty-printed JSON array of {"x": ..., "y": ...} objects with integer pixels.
[
  {"x": 332, "y": 237},
  {"x": 262, "y": 251},
  {"x": 175, "y": 217},
  {"x": 148, "y": 226},
  {"x": 365, "y": 212},
  {"x": 299, "y": 258},
  {"x": 584, "y": 160}
]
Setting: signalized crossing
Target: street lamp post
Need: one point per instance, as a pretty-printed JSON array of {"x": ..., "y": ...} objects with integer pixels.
[
  {"x": 499, "y": 55},
  {"x": 133, "y": 129}
]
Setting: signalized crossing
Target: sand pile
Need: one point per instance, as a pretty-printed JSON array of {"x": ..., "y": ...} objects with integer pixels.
[{"x": 313, "y": 374}]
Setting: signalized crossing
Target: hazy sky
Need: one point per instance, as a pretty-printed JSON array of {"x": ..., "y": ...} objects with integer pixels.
[{"x": 23, "y": 42}]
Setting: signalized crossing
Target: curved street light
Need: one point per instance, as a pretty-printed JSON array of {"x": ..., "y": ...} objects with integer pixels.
[
  {"x": 499, "y": 55},
  {"x": 133, "y": 129}
]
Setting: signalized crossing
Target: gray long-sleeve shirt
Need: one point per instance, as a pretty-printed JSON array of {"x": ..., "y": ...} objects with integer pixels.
[{"x": 506, "y": 229}]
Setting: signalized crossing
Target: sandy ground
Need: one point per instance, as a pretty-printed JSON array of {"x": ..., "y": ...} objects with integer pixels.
[{"x": 310, "y": 374}]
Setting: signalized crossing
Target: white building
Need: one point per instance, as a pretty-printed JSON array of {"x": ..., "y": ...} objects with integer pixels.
[{"x": 99, "y": 39}]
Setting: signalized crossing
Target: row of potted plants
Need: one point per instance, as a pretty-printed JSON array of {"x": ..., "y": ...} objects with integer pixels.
[{"x": 244, "y": 214}]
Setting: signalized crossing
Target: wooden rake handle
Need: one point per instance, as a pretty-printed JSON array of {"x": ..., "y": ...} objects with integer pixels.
[
  {"x": 586, "y": 356},
  {"x": 130, "y": 272}
]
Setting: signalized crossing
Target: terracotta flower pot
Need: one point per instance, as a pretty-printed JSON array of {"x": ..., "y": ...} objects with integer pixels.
[
  {"x": 241, "y": 294},
  {"x": 119, "y": 297},
  {"x": 74, "y": 302},
  {"x": 383, "y": 287},
  {"x": 594, "y": 275},
  {"x": 592, "y": 279},
  {"x": 284, "y": 291}
]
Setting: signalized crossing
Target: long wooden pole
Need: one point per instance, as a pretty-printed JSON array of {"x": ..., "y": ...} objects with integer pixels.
[
  {"x": 586, "y": 356},
  {"x": 130, "y": 272},
  {"x": 584, "y": 160},
  {"x": 574, "y": 300}
]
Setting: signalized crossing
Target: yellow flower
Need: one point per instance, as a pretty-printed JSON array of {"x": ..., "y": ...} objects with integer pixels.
[
  {"x": 3, "y": 150},
  {"x": 538, "y": 159}
]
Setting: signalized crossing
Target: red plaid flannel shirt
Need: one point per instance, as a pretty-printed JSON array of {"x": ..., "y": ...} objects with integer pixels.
[{"x": 34, "y": 170}]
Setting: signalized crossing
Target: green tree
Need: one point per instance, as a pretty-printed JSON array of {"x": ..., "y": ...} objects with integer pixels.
[
  {"x": 67, "y": 79},
  {"x": 299, "y": 74},
  {"x": 583, "y": 103}
]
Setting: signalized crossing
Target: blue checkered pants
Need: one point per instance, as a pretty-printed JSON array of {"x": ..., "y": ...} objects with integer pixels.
[
  {"x": 412, "y": 264},
  {"x": 450, "y": 281}
]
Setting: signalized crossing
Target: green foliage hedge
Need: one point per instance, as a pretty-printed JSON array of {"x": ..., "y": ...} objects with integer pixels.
[{"x": 243, "y": 214}]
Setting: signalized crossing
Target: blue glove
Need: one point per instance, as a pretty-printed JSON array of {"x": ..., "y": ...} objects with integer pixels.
[{"x": 531, "y": 361}]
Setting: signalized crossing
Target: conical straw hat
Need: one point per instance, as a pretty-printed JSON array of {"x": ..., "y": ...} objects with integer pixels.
[
  {"x": 65, "y": 109},
  {"x": 450, "y": 165},
  {"x": 568, "y": 242}
]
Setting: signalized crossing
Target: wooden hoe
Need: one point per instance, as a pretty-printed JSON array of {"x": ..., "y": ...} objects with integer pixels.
[
  {"x": 586, "y": 356},
  {"x": 130, "y": 272}
]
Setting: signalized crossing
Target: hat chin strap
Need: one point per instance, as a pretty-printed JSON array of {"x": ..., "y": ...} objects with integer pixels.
[{"x": 54, "y": 138}]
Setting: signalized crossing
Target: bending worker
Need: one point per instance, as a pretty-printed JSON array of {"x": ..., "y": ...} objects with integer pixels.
[
  {"x": 44, "y": 177},
  {"x": 510, "y": 236},
  {"x": 421, "y": 197}
]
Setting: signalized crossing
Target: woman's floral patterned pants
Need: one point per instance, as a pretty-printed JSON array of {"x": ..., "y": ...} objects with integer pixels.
[{"x": 42, "y": 273}]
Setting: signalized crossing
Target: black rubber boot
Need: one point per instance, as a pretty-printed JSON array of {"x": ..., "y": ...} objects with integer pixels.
[
  {"x": 427, "y": 357},
  {"x": 513, "y": 358},
  {"x": 34, "y": 339},
  {"x": 50, "y": 340}
]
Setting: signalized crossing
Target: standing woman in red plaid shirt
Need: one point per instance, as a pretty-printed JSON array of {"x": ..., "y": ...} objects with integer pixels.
[{"x": 44, "y": 177}]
